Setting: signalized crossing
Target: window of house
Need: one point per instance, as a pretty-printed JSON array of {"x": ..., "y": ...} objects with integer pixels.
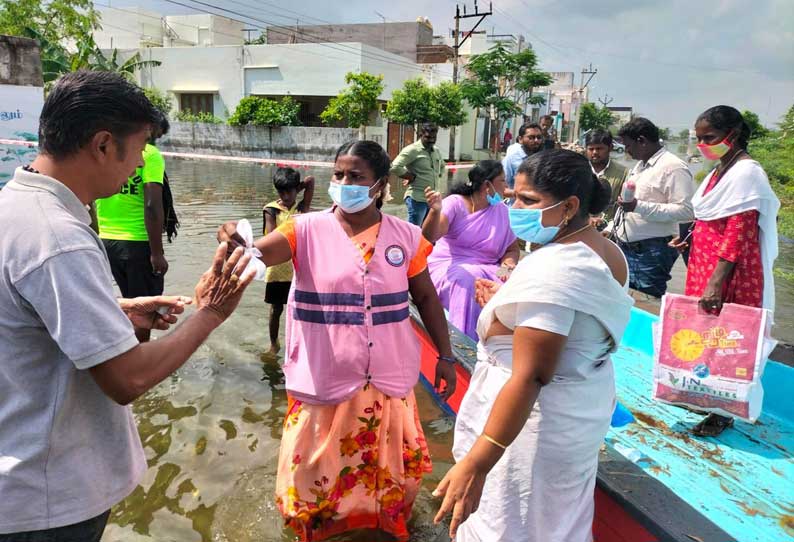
[{"x": 197, "y": 103}]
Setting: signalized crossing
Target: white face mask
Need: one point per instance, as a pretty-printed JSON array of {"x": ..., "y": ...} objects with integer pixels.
[{"x": 351, "y": 198}]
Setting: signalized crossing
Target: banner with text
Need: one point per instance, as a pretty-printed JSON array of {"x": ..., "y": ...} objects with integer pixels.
[{"x": 20, "y": 107}]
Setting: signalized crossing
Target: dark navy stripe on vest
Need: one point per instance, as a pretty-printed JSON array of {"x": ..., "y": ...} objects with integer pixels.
[
  {"x": 384, "y": 300},
  {"x": 389, "y": 317},
  {"x": 315, "y": 298},
  {"x": 329, "y": 317}
]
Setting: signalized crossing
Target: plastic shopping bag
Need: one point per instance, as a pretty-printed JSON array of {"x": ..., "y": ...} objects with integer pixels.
[{"x": 711, "y": 362}]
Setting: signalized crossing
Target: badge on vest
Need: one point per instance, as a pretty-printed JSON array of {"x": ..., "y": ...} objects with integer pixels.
[{"x": 395, "y": 255}]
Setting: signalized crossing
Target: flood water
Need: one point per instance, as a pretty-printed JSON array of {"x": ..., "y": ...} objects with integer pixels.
[{"x": 211, "y": 431}]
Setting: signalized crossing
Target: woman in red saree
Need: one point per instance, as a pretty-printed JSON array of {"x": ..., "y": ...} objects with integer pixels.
[{"x": 734, "y": 237}]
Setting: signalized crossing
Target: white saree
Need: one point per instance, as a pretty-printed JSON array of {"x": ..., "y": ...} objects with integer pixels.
[{"x": 542, "y": 488}]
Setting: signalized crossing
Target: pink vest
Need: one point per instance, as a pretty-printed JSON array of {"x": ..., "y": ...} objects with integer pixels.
[{"x": 347, "y": 321}]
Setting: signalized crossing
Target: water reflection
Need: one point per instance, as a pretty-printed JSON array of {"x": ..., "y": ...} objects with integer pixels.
[{"x": 211, "y": 432}]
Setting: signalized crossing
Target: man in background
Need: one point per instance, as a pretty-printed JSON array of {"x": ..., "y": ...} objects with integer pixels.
[
  {"x": 644, "y": 226},
  {"x": 530, "y": 141},
  {"x": 598, "y": 146},
  {"x": 508, "y": 138},
  {"x": 549, "y": 133},
  {"x": 420, "y": 165}
]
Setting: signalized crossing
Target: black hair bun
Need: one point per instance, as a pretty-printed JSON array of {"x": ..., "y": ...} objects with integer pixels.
[{"x": 601, "y": 196}]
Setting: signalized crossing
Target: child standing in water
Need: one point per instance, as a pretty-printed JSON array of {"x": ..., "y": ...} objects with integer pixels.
[
  {"x": 278, "y": 278},
  {"x": 353, "y": 452}
]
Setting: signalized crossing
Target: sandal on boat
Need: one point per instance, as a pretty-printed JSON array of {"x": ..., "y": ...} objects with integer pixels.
[{"x": 712, "y": 425}]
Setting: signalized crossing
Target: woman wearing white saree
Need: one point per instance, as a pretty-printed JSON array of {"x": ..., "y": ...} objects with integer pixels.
[{"x": 542, "y": 394}]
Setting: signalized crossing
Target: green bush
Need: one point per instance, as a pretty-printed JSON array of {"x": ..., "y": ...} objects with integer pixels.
[
  {"x": 775, "y": 153},
  {"x": 259, "y": 111},
  {"x": 708, "y": 165},
  {"x": 160, "y": 100},
  {"x": 186, "y": 115}
]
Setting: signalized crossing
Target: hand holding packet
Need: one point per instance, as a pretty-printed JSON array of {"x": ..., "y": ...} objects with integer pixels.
[{"x": 256, "y": 265}]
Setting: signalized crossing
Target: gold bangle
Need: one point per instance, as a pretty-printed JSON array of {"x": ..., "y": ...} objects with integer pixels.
[{"x": 493, "y": 441}]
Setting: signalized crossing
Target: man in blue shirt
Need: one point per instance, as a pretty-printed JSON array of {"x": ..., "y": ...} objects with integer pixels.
[{"x": 530, "y": 141}]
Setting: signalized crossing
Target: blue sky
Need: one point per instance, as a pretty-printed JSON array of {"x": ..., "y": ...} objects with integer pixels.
[{"x": 669, "y": 60}]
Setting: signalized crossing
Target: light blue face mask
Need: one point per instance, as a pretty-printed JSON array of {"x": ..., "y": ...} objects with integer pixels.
[
  {"x": 494, "y": 199},
  {"x": 527, "y": 224},
  {"x": 351, "y": 198}
]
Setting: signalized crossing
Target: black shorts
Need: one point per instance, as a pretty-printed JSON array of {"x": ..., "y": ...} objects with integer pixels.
[
  {"x": 89, "y": 530},
  {"x": 131, "y": 266},
  {"x": 277, "y": 293}
]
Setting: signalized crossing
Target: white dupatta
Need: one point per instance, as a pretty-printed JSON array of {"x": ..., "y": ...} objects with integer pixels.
[
  {"x": 745, "y": 187},
  {"x": 572, "y": 276}
]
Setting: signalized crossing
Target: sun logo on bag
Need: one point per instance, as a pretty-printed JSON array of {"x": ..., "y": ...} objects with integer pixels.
[{"x": 687, "y": 345}]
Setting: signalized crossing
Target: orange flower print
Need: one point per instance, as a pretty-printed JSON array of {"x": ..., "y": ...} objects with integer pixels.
[
  {"x": 384, "y": 478},
  {"x": 349, "y": 445},
  {"x": 294, "y": 410},
  {"x": 370, "y": 457},
  {"x": 368, "y": 476},
  {"x": 393, "y": 502}
]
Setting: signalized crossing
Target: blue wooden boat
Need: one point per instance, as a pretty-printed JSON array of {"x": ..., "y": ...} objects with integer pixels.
[{"x": 677, "y": 487}]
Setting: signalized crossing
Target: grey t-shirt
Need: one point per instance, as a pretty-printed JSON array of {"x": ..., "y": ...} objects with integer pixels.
[{"x": 67, "y": 451}]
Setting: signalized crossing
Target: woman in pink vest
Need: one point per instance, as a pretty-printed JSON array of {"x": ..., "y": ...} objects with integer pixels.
[{"x": 353, "y": 452}]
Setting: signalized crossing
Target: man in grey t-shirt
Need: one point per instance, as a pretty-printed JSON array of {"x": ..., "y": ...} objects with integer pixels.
[{"x": 69, "y": 359}]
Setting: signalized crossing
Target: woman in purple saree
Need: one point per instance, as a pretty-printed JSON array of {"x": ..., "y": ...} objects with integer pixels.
[{"x": 473, "y": 239}]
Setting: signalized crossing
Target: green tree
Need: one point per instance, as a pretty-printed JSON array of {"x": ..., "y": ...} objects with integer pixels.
[
  {"x": 664, "y": 134},
  {"x": 592, "y": 117},
  {"x": 418, "y": 102},
  {"x": 756, "y": 128},
  {"x": 355, "y": 104},
  {"x": 57, "y": 21},
  {"x": 99, "y": 62},
  {"x": 260, "y": 111},
  {"x": 56, "y": 60},
  {"x": 501, "y": 82},
  {"x": 160, "y": 100},
  {"x": 684, "y": 134}
]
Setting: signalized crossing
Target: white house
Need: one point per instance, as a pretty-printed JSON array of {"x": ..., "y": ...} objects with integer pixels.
[{"x": 215, "y": 79}]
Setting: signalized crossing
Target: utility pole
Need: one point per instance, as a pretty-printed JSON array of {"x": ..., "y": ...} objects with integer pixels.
[
  {"x": 585, "y": 71},
  {"x": 606, "y": 100},
  {"x": 456, "y": 50}
]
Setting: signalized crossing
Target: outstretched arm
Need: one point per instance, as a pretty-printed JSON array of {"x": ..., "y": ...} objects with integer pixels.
[{"x": 426, "y": 300}]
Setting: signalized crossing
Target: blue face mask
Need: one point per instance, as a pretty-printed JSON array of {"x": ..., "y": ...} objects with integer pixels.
[
  {"x": 494, "y": 199},
  {"x": 527, "y": 224},
  {"x": 350, "y": 198}
]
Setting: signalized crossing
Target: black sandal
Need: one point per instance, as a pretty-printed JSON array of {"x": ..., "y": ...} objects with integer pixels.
[{"x": 712, "y": 425}]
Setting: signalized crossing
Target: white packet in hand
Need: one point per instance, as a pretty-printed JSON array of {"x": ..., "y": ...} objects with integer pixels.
[{"x": 256, "y": 265}]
